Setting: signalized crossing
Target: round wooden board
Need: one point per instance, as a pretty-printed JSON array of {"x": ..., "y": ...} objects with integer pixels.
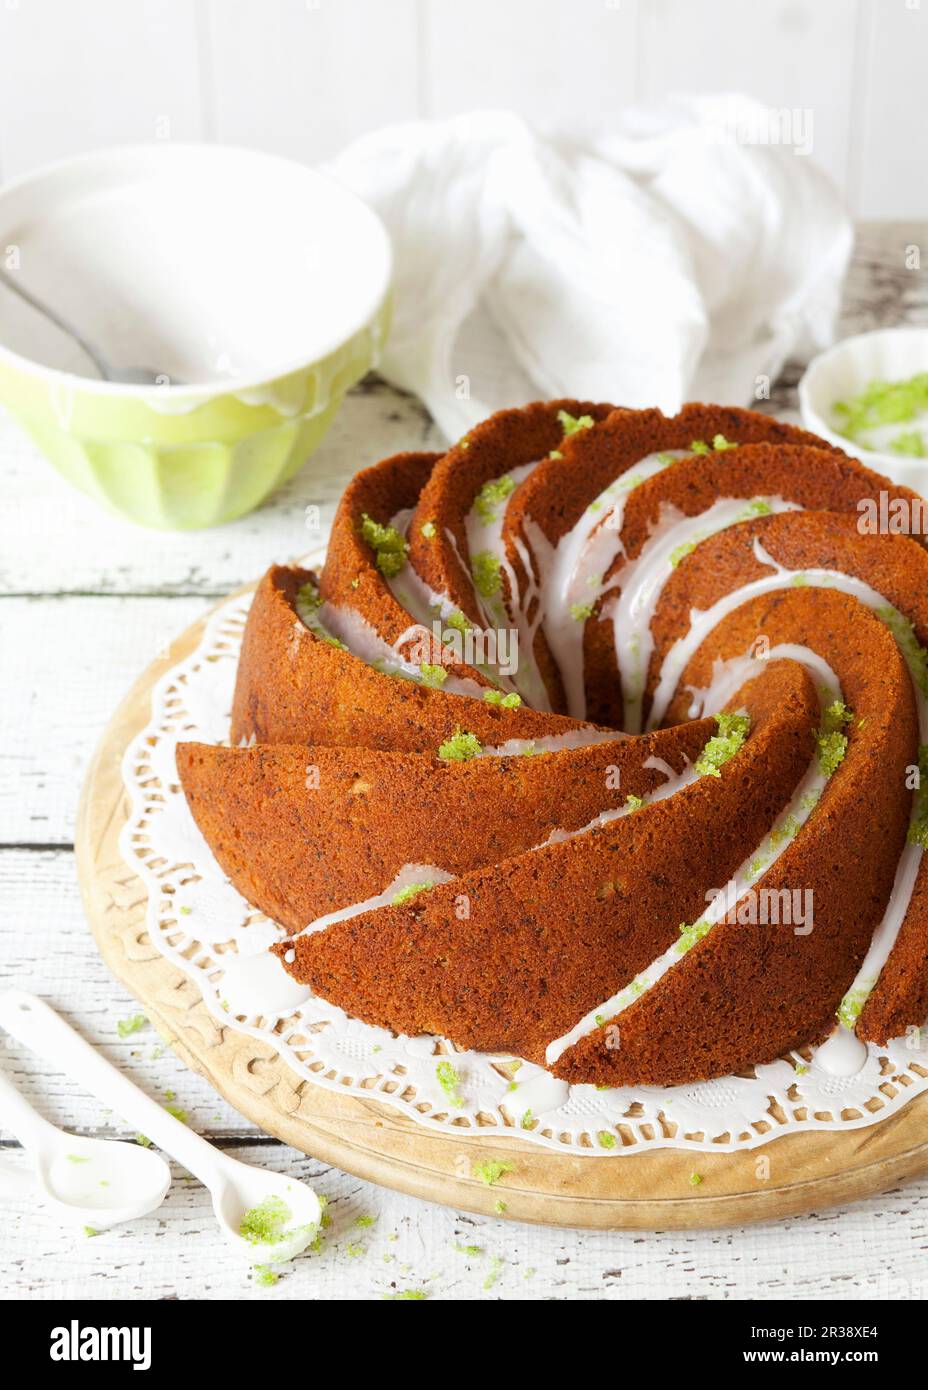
[{"x": 795, "y": 1173}]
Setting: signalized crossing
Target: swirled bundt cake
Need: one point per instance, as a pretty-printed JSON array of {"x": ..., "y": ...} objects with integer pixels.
[{"x": 598, "y": 739}]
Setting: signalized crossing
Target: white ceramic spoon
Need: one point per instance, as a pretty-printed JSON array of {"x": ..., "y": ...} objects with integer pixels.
[
  {"x": 89, "y": 1182},
  {"x": 280, "y": 1214}
]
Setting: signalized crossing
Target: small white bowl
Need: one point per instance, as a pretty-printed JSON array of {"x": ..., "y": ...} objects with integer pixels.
[{"x": 890, "y": 354}]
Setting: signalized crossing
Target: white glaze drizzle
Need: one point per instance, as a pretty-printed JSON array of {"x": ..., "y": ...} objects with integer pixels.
[
  {"x": 571, "y": 573},
  {"x": 794, "y": 815}
]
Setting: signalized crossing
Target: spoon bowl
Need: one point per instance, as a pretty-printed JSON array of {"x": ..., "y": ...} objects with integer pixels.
[
  {"x": 87, "y": 1182},
  {"x": 267, "y": 1217},
  {"x": 102, "y": 1182}
]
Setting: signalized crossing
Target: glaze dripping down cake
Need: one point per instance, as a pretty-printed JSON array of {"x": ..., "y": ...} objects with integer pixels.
[{"x": 599, "y": 740}]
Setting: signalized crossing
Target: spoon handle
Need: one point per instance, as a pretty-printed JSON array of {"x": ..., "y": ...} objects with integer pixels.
[
  {"x": 62, "y": 324},
  {"x": 39, "y": 1027},
  {"x": 19, "y": 1117}
]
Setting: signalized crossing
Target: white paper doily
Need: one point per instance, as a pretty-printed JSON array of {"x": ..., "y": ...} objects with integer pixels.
[{"x": 196, "y": 918}]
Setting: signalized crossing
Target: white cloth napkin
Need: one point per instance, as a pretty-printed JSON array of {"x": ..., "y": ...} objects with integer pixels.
[{"x": 648, "y": 262}]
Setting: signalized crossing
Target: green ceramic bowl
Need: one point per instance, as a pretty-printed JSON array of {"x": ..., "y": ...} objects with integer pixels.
[{"x": 256, "y": 289}]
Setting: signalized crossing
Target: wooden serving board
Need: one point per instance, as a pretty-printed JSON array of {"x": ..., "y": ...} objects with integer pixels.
[{"x": 653, "y": 1190}]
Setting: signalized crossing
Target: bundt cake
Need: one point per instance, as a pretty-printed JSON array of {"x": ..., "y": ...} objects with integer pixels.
[{"x": 599, "y": 740}]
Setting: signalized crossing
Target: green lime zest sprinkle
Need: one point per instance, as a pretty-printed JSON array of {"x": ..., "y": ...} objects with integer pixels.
[
  {"x": 633, "y": 802},
  {"x": 492, "y": 494},
  {"x": 458, "y": 621},
  {"x": 733, "y": 730},
  {"x": 388, "y": 544},
  {"x": 265, "y": 1276},
  {"x": 786, "y": 830},
  {"x": 308, "y": 596},
  {"x": 581, "y": 611},
  {"x": 695, "y": 1179},
  {"x": 882, "y": 403},
  {"x": 849, "y": 1010},
  {"x": 186, "y": 911},
  {"x": 680, "y": 552},
  {"x": 353, "y": 1251},
  {"x": 264, "y": 1224},
  {"x": 77, "y": 1158},
  {"x": 91, "y": 1231},
  {"x": 490, "y": 1170},
  {"x": 528, "y": 1119},
  {"x": 496, "y": 1269},
  {"x": 720, "y": 443},
  {"x": 831, "y": 750},
  {"x": 606, "y": 1140},
  {"x": 486, "y": 571},
  {"x": 690, "y": 934},
  {"x": 918, "y": 825},
  {"x": 178, "y": 1113},
  {"x": 432, "y": 676},
  {"x": 496, "y": 697},
  {"x": 467, "y": 1249},
  {"x": 144, "y": 1140},
  {"x": 406, "y": 1295},
  {"x": 800, "y": 1068},
  {"x": 460, "y": 747},
  {"x": 570, "y": 424},
  {"x": 365, "y": 1220},
  {"x": 699, "y": 446},
  {"x": 428, "y": 530},
  {"x": 909, "y": 442},
  {"x": 449, "y": 1081},
  {"x": 500, "y": 1207},
  {"x": 758, "y": 506},
  {"x": 127, "y": 1026},
  {"x": 555, "y": 454},
  {"x": 916, "y": 657},
  {"x": 402, "y": 895}
]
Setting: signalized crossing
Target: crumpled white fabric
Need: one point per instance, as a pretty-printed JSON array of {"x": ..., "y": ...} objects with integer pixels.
[{"x": 649, "y": 261}]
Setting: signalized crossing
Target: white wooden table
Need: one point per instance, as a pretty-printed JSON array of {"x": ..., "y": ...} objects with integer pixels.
[{"x": 86, "y": 601}]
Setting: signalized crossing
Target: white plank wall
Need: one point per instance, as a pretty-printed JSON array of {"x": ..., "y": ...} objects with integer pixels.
[{"x": 303, "y": 77}]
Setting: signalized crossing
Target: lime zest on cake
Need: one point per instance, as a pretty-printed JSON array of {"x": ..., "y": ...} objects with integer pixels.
[
  {"x": 460, "y": 747},
  {"x": 432, "y": 676},
  {"x": 486, "y": 571},
  {"x": 387, "y": 543},
  {"x": 402, "y": 895},
  {"x": 492, "y": 493},
  {"x": 733, "y": 730},
  {"x": 570, "y": 424}
]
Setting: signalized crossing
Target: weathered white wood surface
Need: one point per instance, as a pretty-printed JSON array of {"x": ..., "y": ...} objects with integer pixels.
[{"x": 85, "y": 602}]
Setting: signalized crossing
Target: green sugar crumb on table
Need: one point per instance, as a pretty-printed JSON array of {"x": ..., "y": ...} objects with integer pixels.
[
  {"x": 265, "y": 1277},
  {"x": 125, "y": 1027},
  {"x": 406, "y": 1296}
]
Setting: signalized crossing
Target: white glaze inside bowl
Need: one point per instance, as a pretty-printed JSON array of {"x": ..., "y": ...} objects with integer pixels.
[{"x": 205, "y": 263}]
